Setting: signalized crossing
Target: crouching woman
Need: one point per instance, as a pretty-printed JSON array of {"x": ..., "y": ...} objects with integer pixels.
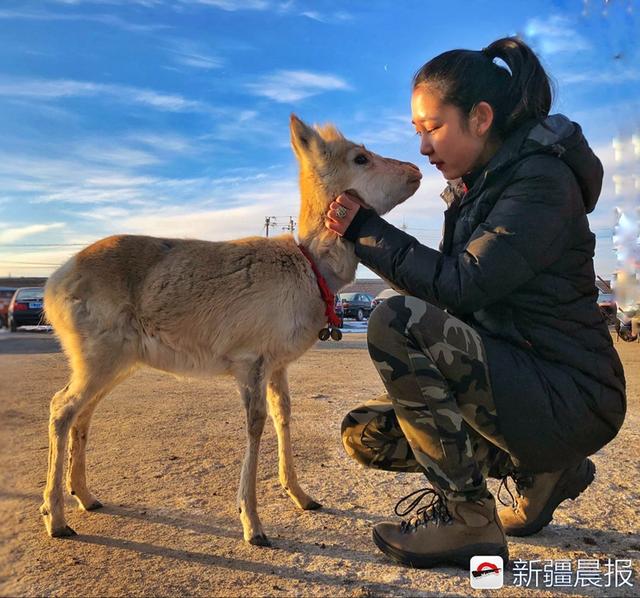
[{"x": 497, "y": 362}]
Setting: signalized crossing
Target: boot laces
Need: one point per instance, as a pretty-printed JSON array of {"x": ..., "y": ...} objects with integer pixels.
[
  {"x": 522, "y": 482},
  {"x": 435, "y": 510}
]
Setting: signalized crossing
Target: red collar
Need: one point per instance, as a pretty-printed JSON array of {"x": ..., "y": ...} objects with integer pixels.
[{"x": 327, "y": 296}]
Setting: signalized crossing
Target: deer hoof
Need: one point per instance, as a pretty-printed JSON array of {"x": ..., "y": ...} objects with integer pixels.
[
  {"x": 63, "y": 532},
  {"x": 260, "y": 540},
  {"x": 93, "y": 506},
  {"x": 312, "y": 506}
]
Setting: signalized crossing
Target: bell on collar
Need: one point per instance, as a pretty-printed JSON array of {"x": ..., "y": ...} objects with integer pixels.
[{"x": 324, "y": 334}]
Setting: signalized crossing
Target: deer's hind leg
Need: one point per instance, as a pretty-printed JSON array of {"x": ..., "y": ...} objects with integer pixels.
[
  {"x": 280, "y": 411},
  {"x": 78, "y": 437},
  {"x": 76, "y": 467},
  {"x": 87, "y": 386},
  {"x": 252, "y": 385}
]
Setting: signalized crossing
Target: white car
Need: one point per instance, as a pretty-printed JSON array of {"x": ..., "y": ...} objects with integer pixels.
[{"x": 382, "y": 295}]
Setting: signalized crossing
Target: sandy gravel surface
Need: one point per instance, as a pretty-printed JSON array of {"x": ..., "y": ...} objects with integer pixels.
[{"x": 164, "y": 458}]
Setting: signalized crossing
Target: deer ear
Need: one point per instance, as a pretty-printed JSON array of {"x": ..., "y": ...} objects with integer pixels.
[{"x": 304, "y": 139}]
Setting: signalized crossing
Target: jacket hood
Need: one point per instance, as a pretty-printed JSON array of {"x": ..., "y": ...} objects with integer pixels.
[
  {"x": 563, "y": 138},
  {"x": 555, "y": 135},
  {"x": 566, "y": 140}
]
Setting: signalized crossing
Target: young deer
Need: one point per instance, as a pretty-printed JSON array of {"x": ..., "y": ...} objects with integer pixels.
[{"x": 197, "y": 308}]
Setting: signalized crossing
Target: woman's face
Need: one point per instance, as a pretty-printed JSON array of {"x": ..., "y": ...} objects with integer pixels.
[{"x": 454, "y": 149}]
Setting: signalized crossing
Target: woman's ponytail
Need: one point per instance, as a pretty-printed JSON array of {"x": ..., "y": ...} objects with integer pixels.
[
  {"x": 517, "y": 94},
  {"x": 528, "y": 95}
]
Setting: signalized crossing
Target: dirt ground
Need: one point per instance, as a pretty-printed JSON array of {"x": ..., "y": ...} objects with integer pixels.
[{"x": 164, "y": 458}]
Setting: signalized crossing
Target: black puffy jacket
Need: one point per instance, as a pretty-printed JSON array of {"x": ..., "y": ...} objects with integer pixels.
[{"x": 516, "y": 263}]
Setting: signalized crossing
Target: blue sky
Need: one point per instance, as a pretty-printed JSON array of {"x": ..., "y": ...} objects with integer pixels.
[{"x": 170, "y": 118}]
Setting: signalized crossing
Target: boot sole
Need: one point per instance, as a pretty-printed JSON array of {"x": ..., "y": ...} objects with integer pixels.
[
  {"x": 460, "y": 557},
  {"x": 568, "y": 488}
]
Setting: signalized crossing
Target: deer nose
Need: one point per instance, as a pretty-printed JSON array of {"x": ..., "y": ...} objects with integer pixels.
[
  {"x": 414, "y": 171},
  {"x": 409, "y": 164}
]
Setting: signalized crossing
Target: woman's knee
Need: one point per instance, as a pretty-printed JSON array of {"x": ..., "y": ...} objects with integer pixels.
[
  {"x": 392, "y": 320},
  {"x": 370, "y": 433},
  {"x": 351, "y": 434},
  {"x": 389, "y": 315}
]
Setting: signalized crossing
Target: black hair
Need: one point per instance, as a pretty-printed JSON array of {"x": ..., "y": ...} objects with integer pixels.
[{"x": 466, "y": 77}]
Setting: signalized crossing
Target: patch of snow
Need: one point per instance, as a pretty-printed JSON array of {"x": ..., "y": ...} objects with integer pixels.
[{"x": 354, "y": 326}]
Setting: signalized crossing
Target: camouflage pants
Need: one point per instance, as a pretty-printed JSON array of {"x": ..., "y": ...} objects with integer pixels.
[{"x": 438, "y": 417}]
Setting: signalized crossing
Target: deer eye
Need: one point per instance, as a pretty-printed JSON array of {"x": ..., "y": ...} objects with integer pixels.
[{"x": 361, "y": 159}]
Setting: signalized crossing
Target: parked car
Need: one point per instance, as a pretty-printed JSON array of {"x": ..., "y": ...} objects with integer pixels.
[
  {"x": 382, "y": 295},
  {"x": 356, "y": 305},
  {"x": 339, "y": 310},
  {"x": 25, "y": 308},
  {"x": 6, "y": 293},
  {"x": 608, "y": 306},
  {"x": 627, "y": 324}
]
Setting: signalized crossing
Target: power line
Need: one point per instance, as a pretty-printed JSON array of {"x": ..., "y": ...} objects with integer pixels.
[
  {"x": 29, "y": 263},
  {"x": 43, "y": 244},
  {"x": 272, "y": 222}
]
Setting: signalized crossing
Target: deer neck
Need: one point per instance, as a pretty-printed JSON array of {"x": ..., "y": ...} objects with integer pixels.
[{"x": 335, "y": 258}]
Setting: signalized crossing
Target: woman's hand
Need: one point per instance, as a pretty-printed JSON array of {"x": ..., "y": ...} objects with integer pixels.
[{"x": 341, "y": 212}]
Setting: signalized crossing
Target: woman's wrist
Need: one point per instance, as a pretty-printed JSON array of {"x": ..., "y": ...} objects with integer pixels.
[
  {"x": 353, "y": 230},
  {"x": 341, "y": 212}
]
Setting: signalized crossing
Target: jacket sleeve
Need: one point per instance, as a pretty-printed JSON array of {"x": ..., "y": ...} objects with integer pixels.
[{"x": 526, "y": 231}]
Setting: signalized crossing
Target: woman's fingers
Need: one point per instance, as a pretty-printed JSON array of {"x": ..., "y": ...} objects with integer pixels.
[
  {"x": 348, "y": 201},
  {"x": 341, "y": 213}
]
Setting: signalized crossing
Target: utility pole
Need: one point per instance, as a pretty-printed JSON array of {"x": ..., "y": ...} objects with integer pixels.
[
  {"x": 271, "y": 222},
  {"x": 267, "y": 224}
]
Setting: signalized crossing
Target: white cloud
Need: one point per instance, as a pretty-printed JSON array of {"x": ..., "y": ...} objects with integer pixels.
[
  {"x": 99, "y": 200},
  {"x": 391, "y": 129},
  {"x": 147, "y": 3},
  {"x": 213, "y": 224},
  {"x": 191, "y": 54},
  {"x": 199, "y": 61},
  {"x": 602, "y": 77},
  {"x": 249, "y": 126},
  {"x": 46, "y": 89},
  {"x": 104, "y": 19},
  {"x": 38, "y": 178},
  {"x": 109, "y": 173},
  {"x": 118, "y": 180},
  {"x": 292, "y": 86},
  {"x": 113, "y": 154},
  {"x": 556, "y": 34},
  {"x": 11, "y": 235},
  {"x": 51, "y": 89},
  {"x": 114, "y": 21},
  {"x": 226, "y": 208},
  {"x": 161, "y": 142},
  {"x": 314, "y": 15},
  {"x": 232, "y": 5}
]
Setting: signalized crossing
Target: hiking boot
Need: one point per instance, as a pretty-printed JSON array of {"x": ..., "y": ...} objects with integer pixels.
[
  {"x": 443, "y": 532},
  {"x": 537, "y": 497}
]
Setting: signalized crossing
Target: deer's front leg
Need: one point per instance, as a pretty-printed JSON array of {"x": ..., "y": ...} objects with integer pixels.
[
  {"x": 280, "y": 410},
  {"x": 253, "y": 393}
]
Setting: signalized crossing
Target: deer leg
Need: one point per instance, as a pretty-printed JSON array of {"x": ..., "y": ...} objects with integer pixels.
[
  {"x": 64, "y": 409},
  {"x": 68, "y": 411},
  {"x": 78, "y": 436},
  {"x": 76, "y": 469},
  {"x": 253, "y": 391},
  {"x": 280, "y": 411}
]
